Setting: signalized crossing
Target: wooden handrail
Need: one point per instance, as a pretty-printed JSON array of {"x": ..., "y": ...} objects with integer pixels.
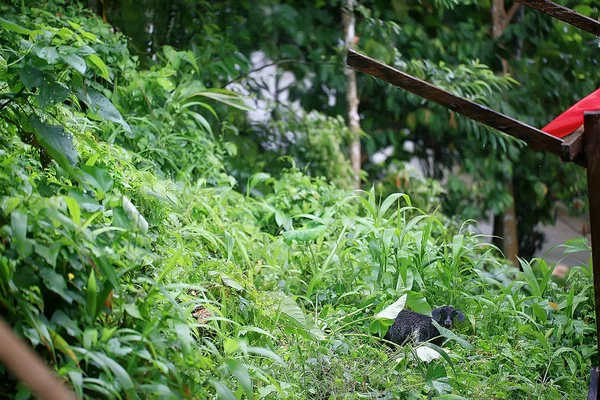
[
  {"x": 534, "y": 137},
  {"x": 564, "y": 14}
]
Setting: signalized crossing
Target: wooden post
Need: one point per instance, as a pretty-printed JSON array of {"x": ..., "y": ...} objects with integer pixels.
[
  {"x": 591, "y": 143},
  {"x": 593, "y": 393},
  {"x": 29, "y": 368}
]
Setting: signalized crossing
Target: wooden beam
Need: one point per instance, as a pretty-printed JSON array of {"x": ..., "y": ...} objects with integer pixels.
[
  {"x": 564, "y": 14},
  {"x": 572, "y": 147},
  {"x": 532, "y": 136},
  {"x": 29, "y": 368}
]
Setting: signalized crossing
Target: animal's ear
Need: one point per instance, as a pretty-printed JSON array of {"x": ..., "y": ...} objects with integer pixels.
[
  {"x": 461, "y": 316},
  {"x": 435, "y": 313}
]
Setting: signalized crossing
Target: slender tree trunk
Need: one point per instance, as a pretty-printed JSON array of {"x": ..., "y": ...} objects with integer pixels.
[
  {"x": 505, "y": 225},
  {"x": 505, "y": 229},
  {"x": 351, "y": 92}
]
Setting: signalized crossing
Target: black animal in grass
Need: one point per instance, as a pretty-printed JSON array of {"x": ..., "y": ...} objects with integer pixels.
[{"x": 412, "y": 326}]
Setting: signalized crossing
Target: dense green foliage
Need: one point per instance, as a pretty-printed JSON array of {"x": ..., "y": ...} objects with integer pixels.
[
  {"x": 448, "y": 42},
  {"x": 140, "y": 261}
]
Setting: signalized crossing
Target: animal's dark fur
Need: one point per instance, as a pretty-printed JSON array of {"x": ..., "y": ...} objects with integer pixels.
[{"x": 412, "y": 326}]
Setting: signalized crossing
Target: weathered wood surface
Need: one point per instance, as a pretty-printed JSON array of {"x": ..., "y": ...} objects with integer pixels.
[
  {"x": 534, "y": 137},
  {"x": 572, "y": 147},
  {"x": 564, "y": 14}
]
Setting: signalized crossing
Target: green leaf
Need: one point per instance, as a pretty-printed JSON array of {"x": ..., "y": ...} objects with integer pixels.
[
  {"x": 392, "y": 311},
  {"x": 451, "y": 335},
  {"x": 19, "y": 234},
  {"x": 583, "y": 9},
  {"x": 240, "y": 371},
  {"x": 441, "y": 352},
  {"x": 230, "y": 282},
  {"x": 184, "y": 336},
  {"x": 132, "y": 310},
  {"x": 55, "y": 282},
  {"x": 304, "y": 235},
  {"x": 75, "y": 61},
  {"x": 416, "y": 302},
  {"x": 11, "y": 26},
  {"x": 31, "y": 77},
  {"x": 223, "y": 392},
  {"x": 102, "y": 106},
  {"x": 64, "y": 321},
  {"x": 85, "y": 202},
  {"x": 74, "y": 210},
  {"x": 49, "y": 254},
  {"x": 108, "y": 270},
  {"x": 61, "y": 344},
  {"x": 97, "y": 61},
  {"x": 52, "y": 92},
  {"x": 92, "y": 295},
  {"x": 226, "y": 97},
  {"x": 97, "y": 177},
  {"x": 47, "y": 53},
  {"x": 58, "y": 144}
]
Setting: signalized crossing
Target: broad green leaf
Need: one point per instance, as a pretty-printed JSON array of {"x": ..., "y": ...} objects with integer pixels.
[
  {"x": 230, "y": 282},
  {"x": 184, "y": 336},
  {"x": 451, "y": 335},
  {"x": 47, "y": 53},
  {"x": 191, "y": 58},
  {"x": 223, "y": 392},
  {"x": 108, "y": 270},
  {"x": 226, "y": 97},
  {"x": 56, "y": 142},
  {"x": 441, "y": 352},
  {"x": 64, "y": 321},
  {"x": 49, "y": 254},
  {"x": 85, "y": 202},
  {"x": 55, "y": 282},
  {"x": 304, "y": 235},
  {"x": 11, "y": 26},
  {"x": 31, "y": 77},
  {"x": 392, "y": 311},
  {"x": 76, "y": 378},
  {"x": 19, "y": 233},
  {"x": 416, "y": 302},
  {"x": 97, "y": 61},
  {"x": 97, "y": 177},
  {"x": 584, "y": 9},
  {"x": 132, "y": 310},
  {"x": 102, "y": 106},
  {"x": 52, "y": 92},
  {"x": 240, "y": 371},
  {"x": 75, "y": 61},
  {"x": 266, "y": 353},
  {"x": 390, "y": 200}
]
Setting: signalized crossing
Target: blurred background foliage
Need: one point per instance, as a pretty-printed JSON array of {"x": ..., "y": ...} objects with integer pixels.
[{"x": 533, "y": 71}]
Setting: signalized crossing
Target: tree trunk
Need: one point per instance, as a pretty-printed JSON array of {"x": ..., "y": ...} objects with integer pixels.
[
  {"x": 352, "y": 93},
  {"x": 505, "y": 230},
  {"x": 505, "y": 225}
]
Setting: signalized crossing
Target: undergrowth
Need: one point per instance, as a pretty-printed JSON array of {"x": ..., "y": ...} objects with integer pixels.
[{"x": 138, "y": 268}]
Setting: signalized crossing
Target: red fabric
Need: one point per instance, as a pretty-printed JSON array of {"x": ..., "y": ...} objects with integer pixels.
[{"x": 572, "y": 119}]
